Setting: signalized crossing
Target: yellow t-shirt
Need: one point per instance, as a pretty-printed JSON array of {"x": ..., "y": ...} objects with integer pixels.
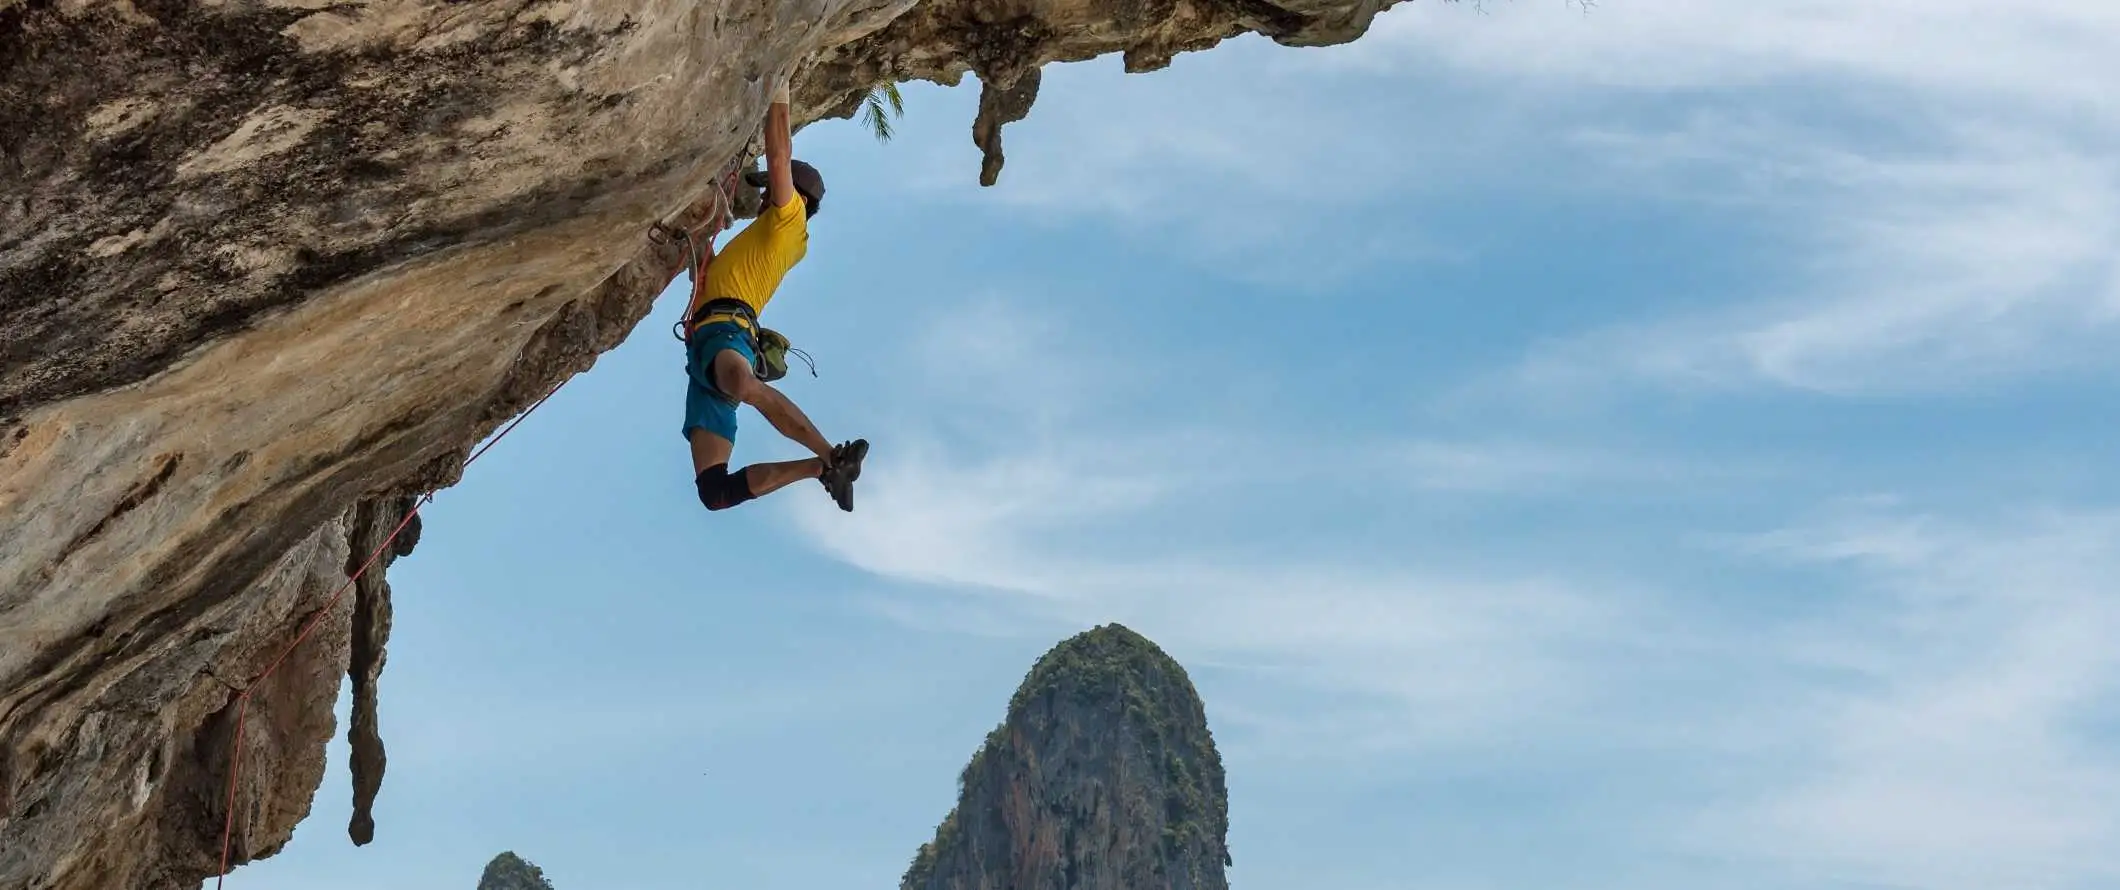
[{"x": 751, "y": 266}]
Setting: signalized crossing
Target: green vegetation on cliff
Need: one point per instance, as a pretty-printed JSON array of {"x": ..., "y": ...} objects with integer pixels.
[
  {"x": 1141, "y": 694},
  {"x": 511, "y": 872}
]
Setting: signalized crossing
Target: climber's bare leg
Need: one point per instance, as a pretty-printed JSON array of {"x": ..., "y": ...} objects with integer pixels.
[
  {"x": 726, "y": 490},
  {"x": 709, "y": 449},
  {"x": 767, "y": 478},
  {"x": 733, "y": 374}
]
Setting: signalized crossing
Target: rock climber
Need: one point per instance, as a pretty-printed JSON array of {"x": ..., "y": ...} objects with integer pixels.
[{"x": 721, "y": 341}]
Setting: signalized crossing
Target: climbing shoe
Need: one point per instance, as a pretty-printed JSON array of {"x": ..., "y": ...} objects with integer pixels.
[{"x": 839, "y": 476}]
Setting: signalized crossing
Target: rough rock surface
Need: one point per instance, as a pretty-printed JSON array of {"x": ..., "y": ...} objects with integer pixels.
[
  {"x": 1103, "y": 777},
  {"x": 269, "y": 268},
  {"x": 510, "y": 872},
  {"x": 374, "y": 524}
]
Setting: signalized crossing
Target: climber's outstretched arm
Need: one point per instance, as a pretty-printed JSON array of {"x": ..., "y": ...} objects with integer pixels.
[{"x": 780, "y": 175}]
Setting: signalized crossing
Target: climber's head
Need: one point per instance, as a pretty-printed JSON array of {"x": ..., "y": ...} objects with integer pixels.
[{"x": 810, "y": 184}]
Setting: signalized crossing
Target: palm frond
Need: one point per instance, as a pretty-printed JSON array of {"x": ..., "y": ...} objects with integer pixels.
[
  {"x": 873, "y": 109},
  {"x": 878, "y": 122}
]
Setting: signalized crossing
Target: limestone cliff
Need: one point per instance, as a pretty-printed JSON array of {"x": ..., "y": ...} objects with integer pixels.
[
  {"x": 269, "y": 269},
  {"x": 510, "y": 872},
  {"x": 1103, "y": 776}
]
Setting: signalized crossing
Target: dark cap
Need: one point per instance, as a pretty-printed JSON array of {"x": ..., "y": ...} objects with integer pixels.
[{"x": 808, "y": 182}]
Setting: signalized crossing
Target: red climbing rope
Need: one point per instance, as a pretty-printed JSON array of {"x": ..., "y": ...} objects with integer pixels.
[{"x": 235, "y": 757}]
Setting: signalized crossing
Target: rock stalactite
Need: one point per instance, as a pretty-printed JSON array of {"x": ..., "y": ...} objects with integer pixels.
[
  {"x": 1000, "y": 103},
  {"x": 374, "y": 524}
]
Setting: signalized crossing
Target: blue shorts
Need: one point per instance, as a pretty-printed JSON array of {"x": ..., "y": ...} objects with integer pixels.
[{"x": 705, "y": 407}]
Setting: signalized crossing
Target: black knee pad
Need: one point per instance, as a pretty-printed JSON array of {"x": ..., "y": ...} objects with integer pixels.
[{"x": 720, "y": 489}]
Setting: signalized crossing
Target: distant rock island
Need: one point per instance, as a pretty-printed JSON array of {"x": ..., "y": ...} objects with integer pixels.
[
  {"x": 511, "y": 872},
  {"x": 1103, "y": 776}
]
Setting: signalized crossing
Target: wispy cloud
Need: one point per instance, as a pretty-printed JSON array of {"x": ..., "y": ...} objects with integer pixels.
[
  {"x": 2044, "y": 52},
  {"x": 1988, "y": 260},
  {"x": 1472, "y": 653},
  {"x": 1959, "y": 744},
  {"x": 1941, "y": 175},
  {"x": 1073, "y": 513}
]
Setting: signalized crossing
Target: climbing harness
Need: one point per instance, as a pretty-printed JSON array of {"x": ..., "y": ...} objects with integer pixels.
[
  {"x": 769, "y": 347},
  {"x": 235, "y": 755}
]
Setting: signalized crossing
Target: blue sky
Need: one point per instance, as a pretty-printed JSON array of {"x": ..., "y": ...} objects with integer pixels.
[{"x": 1657, "y": 447}]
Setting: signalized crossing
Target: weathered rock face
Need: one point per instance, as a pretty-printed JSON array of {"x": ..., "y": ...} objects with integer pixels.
[
  {"x": 1103, "y": 777},
  {"x": 269, "y": 268},
  {"x": 510, "y": 872}
]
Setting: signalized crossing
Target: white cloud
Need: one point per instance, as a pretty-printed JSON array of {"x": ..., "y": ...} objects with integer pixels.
[
  {"x": 1943, "y": 170},
  {"x": 1471, "y": 654},
  {"x": 1075, "y": 514},
  {"x": 1928, "y": 272},
  {"x": 1956, "y": 745},
  {"x": 2049, "y": 53}
]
